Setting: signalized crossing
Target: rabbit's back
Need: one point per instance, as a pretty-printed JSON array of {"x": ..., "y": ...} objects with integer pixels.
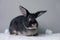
[{"x": 17, "y": 24}]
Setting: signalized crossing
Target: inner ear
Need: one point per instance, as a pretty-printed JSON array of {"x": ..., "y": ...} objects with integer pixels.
[{"x": 24, "y": 11}]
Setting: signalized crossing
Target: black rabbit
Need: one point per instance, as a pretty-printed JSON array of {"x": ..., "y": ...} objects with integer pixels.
[{"x": 25, "y": 24}]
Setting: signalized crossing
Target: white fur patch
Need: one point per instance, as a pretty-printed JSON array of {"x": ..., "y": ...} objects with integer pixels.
[
  {"x": 30, "y": 32},
  {"x": 32, "y": 28},
  {"x": 19, "y": 33},
  {"x": 14, "y": 31}
]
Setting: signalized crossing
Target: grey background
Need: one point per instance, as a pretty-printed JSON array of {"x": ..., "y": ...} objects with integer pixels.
[{"x": 51, "y": 19}]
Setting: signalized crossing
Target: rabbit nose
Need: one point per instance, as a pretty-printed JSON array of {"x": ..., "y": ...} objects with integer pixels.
[{"x": 34, "y": 25}]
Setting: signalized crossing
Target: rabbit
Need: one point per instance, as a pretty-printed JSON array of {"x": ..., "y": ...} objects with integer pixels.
[{"x": 25, "y": 24}]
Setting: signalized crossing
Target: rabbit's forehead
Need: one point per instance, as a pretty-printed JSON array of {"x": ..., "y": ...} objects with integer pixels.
[{"x": 31, "y": 16}]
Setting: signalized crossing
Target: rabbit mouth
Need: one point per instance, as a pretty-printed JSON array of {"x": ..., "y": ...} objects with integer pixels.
[{"x": 33, "y": 27}]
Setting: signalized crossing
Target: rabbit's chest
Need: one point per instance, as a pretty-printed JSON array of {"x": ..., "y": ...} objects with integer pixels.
[{"x": 30, "y": 32}]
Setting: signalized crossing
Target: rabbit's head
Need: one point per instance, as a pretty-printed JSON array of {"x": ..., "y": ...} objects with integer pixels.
[{"x": 29, "y": 21}]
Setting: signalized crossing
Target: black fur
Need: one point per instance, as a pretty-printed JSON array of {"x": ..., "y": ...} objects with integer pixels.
[{"x": 21, "y": 23}]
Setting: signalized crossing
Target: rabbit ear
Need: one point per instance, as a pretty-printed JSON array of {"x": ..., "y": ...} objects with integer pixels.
[
  {"x": 39, "y": 13},
  {"x": 24, "y": 11}
]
